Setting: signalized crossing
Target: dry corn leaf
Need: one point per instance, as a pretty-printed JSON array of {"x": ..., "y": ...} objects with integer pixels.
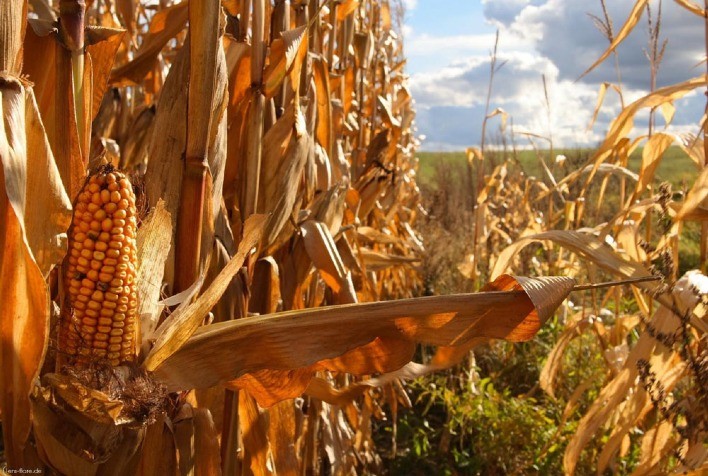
[
  {"x": 24, "y": 314},
  {"x": 656, "y": 443},
  {"x": 269, "y": 387},
  {"x": 159, "y": 454},
  {"x": 282, "y": 437},
  {"x": 48, "y": 209},
  {"x": 624, "y": 122},
  {"x": 101, "y": 46},
  {"x": 376, "y": 261},
  {"x": 254, "y": 428},
  {"x": 692, "y": 7},
  {"x": 626, "y": 29},
  {"x": 617, "y": 390},
  {"x": 651, "y": 158},
  {"x": 696, "y": 196},
  {"x": 285, "y": 54},
  {"x": 265, "y": 290},
  {"x": 207, "y": 461},
  {"x": 346, "y": 8},
  {"x": 598, "y": 105},
  {"x": 163, "y": 27},
  {"x": 204, "y": 43},
  {"x": 324, "y": 104},
  {"x": 184, "y": 322},
  {"x": 638, "y": 404},
  {"x": 585, "y": 245},
  {"x": 545, "y": 303},
  {"x": 693, "y": 147},
  {"x": 555, "y": 358},
  {"x": 323, "y": 252},
  {"x": 298, "y": 339}
]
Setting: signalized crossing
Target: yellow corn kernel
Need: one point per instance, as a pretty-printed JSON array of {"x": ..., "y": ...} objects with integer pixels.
[{"x": 100, "y": 319}]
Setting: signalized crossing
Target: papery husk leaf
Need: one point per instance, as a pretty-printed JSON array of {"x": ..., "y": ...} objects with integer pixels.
[
  {"x": 154, "y": 240},
  {"x": 75, "y": 444},
  {"x": 184, "y": 322},
  {"x": 281, "y": 170},
  {"x": 298, "y": 339},
  {"x": 24, "y": 313},
  {"x": 91, "y": 403}
]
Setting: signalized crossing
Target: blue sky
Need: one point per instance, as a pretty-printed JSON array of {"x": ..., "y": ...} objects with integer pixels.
[{"x": 447, "y": 43}]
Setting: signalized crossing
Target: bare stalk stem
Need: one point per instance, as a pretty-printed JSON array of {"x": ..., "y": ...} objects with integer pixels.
[
  {"x": 480, "y": 165},
  {"x": 71, "y": 21}
]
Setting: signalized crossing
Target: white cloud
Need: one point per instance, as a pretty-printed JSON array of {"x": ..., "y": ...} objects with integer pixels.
[
  {"x": 558, "y": 39},
  {"x": 451, "y": 101},
  {"x": 410, "y": 4}
]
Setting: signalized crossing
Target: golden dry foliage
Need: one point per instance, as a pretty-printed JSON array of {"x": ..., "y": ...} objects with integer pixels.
[
  {"x": 270, "y": 148},
  {"x": 656, "y": 382}
]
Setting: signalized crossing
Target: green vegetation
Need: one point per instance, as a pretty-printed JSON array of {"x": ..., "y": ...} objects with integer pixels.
[{"x": 676, "y": 167}]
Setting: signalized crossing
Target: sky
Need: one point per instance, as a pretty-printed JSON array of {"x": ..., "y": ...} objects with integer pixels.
[{"x": 448, "y": 45}]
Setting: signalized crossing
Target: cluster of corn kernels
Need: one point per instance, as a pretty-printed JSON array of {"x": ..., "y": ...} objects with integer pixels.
[{"x": 101, "y": 321}]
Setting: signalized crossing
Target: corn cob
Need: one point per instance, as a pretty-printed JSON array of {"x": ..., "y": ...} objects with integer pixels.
[{"x": 100, "y": 321}]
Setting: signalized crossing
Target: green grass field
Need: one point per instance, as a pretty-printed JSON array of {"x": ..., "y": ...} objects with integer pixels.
[{"x": 676, "y": 167}]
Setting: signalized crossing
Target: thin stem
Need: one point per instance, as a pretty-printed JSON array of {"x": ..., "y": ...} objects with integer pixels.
[
  {"x": 480, "y": 165},
  {"x": 704, "y": 225}
]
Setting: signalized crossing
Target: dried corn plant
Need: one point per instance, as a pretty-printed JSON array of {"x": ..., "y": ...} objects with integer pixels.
[
  {"x": 243, "y": 241},
  {"x": 563, "y": 224}
]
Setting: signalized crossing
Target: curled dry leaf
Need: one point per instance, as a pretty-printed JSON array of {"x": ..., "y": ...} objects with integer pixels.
[
  {"x": 181, "y": 324},
  {"x": 299, "y": 339}
]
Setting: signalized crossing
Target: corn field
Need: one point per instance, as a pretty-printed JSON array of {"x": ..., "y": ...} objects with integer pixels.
[{"x": 211, "y": 248}]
